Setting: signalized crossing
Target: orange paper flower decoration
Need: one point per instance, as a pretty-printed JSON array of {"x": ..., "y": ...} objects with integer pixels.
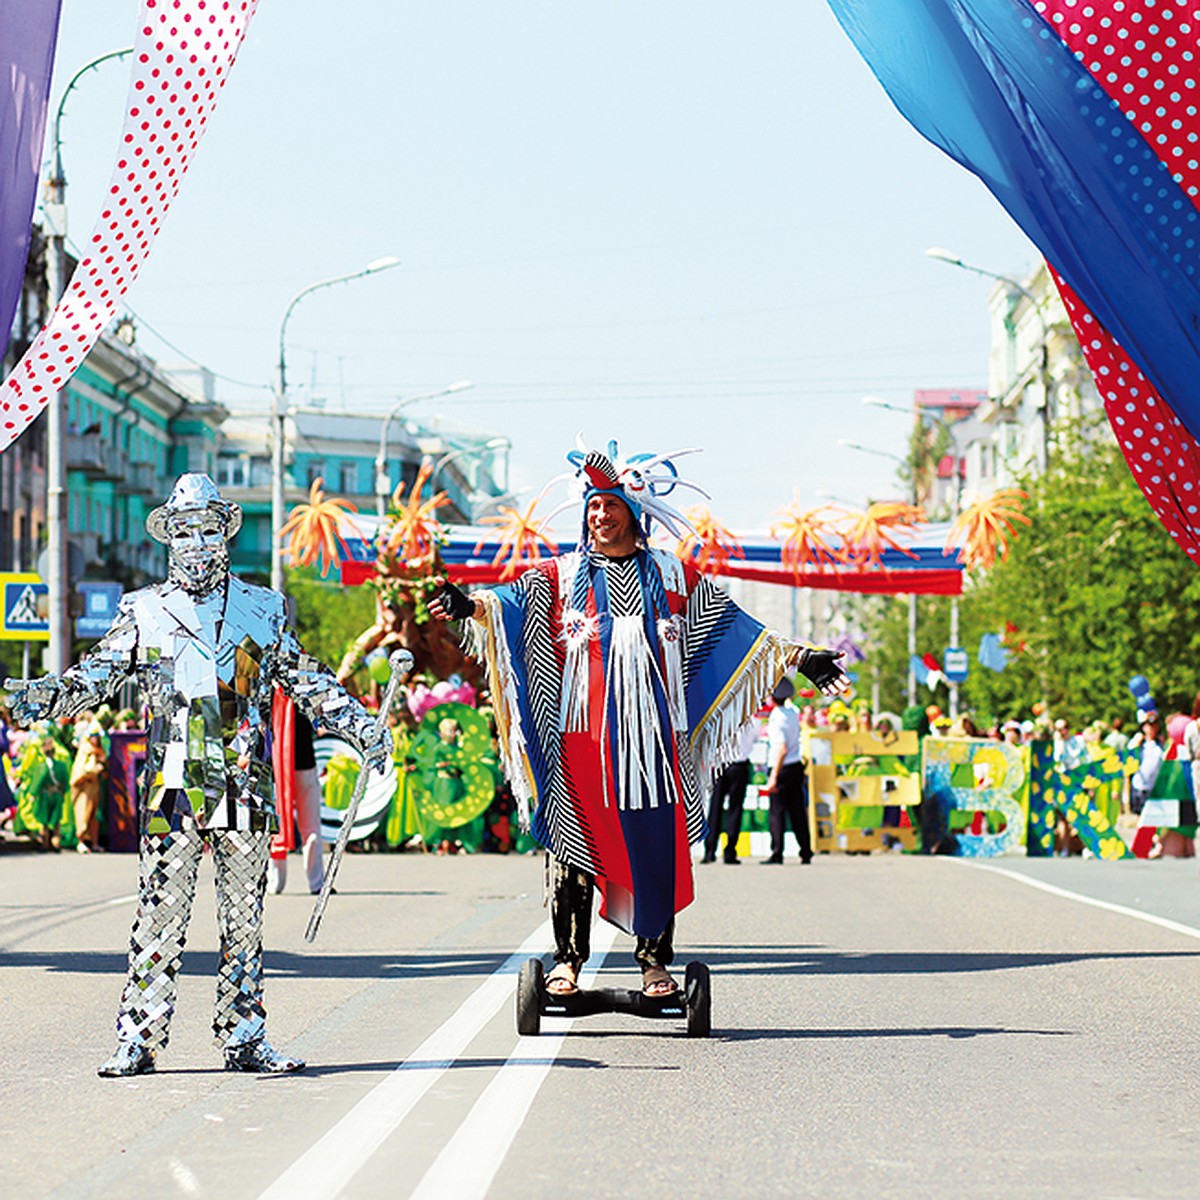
[
  {"x": 414, "y": 530},
  {"x": 985, "y": 528},
  {"x": 870, "y": 533},
  {"x": 711, "y": 546},
  {"x": 314, "y": 530},
  {"x": 804, "y": 533},
  {"x": 522, "y": 537}
]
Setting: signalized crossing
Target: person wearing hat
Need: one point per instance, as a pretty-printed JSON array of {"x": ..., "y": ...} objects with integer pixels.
[
  {"x": 206, "y": 650},
  {"x": 621, "y": 677},
  {"x": 787, "y": 781}
]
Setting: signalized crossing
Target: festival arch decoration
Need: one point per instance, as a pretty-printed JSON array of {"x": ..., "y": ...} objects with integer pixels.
[{"x": 183, "y": 54}]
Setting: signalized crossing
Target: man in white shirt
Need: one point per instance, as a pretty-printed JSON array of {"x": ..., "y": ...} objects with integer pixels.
[
  {"x": 728, "y": 797},
  {"x": 787, "y": 783}
]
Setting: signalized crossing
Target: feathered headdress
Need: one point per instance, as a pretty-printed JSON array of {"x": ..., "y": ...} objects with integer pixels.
[{"x": 641, "y": 480}]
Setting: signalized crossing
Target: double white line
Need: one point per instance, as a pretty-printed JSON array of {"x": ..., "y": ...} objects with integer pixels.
[{"x": 471, "y": 1157}]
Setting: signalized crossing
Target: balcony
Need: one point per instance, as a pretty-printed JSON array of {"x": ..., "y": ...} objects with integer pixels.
[
  {"x": 92, "y": 546},
  {"x": 139, "y": 479},
  {"x": 93, "y": 456}
]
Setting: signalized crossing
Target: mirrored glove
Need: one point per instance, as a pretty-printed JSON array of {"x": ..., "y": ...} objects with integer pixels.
[
  {"x": 31, "y": 699},
  {"x": 377, "y": 755}
]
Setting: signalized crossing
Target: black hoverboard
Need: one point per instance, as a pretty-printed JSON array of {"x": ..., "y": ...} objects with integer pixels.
[{"x": 693, "y": 1001}]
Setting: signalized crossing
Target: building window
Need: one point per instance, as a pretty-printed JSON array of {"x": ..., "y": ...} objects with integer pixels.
[
  {"x": 348, "y": 479},
  {"x": 314, "y": 470},
  {"x": 233, "y": 472}
]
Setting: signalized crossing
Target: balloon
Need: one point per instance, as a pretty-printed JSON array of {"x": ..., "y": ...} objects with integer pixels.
[
  {"x": 378, "y": 668},
  {"x": 1176, "y": 724}
]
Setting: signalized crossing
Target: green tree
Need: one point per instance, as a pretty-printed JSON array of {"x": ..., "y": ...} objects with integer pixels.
[
  {"x": 329, "y": 617},
  {"x": 1092, "y": 593}
]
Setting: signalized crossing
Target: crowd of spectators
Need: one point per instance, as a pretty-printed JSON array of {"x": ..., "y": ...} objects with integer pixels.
[{"x": 53, "y": 778}]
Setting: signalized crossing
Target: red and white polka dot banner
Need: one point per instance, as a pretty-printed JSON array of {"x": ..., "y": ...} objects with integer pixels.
[
  {"x": 182, "y": 58},
  {"x": 1144, "y": 54}
]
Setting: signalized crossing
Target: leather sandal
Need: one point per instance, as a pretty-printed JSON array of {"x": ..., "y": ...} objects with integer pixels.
[
  {"x": 563, "y": 980},
  {"x": 657, "y": 983}
]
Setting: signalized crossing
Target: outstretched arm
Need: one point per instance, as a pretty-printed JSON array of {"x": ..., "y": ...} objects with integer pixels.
[
  {"x": 89, "y": 682},
  {"x": 453, "y": 604},
  {"x": 822, "y": 669},
  {"x": 319, "y": 696}
]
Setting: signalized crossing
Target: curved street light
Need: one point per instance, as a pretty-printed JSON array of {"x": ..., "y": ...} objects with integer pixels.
[
  {"x": 54, "y": 217},
  {"x": 947, "y": 256},
  {"x": 917, "y": 411},
  {"x": 495, "y": 443},
  {"x": 383, "y": 485},
  {"x": 279, "y": 408}
]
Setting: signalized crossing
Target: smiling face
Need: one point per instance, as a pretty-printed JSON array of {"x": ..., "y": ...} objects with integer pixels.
[
  {"x": 610, "y": 525},
  {"x": 198, "y": 554}
]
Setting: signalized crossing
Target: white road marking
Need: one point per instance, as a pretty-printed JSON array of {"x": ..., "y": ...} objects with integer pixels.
[
  {"x": 333, "y": 1160},
  {"x": 1149, "y": 918},
  {"x": 470, "y": 1159}
]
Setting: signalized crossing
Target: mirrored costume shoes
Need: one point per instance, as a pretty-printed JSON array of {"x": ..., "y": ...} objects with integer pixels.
[
  {"x": 130, "y": 1058},
  {"x": 261, "y": 1058}
]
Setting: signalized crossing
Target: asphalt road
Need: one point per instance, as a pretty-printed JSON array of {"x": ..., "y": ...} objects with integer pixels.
[{"x": 883, "y": 1026}]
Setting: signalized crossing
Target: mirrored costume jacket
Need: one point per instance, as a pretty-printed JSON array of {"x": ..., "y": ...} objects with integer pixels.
[{"x": 206, "y": 667}]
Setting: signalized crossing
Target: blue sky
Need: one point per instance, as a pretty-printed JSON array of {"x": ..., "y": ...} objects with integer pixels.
[{"x": 673, "y": 223}]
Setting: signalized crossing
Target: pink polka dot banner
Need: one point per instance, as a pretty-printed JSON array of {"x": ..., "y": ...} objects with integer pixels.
[
  {"x": 183, "y": 53},
  {"x": 1143, "y": 54},
  {"x": 1080, "y": 116}
]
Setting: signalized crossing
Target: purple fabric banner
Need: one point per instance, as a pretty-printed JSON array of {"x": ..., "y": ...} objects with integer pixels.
[{"x": 28, "y": 32}]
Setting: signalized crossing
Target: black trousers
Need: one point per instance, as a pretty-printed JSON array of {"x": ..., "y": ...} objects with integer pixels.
[
  {"x": 729, "y": 786},
  {"x": 571, "y": 894},
  {"x": 789, "y": 802}
]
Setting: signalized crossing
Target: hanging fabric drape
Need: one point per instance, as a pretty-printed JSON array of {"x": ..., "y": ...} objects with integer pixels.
[
  {"x": 182, "y": 57},
  {"x": 1079, "y": 118}
]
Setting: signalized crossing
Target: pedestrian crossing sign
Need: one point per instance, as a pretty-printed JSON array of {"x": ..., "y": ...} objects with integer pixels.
[{"x": 25, "y": 608}]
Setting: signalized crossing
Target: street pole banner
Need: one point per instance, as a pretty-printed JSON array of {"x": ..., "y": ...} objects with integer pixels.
[
  {"x": 182, "y": 57},
  {"x": 24, "y": 608},
  {"x": 28, "y": 32}
]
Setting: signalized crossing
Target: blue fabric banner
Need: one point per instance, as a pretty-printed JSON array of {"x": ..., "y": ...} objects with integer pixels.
[
  {"x": 994, "y": 85},
  {"x": 28, "y": 32}
]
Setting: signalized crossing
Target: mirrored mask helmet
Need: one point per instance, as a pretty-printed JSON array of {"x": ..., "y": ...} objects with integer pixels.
[{"x": 197, "y": 551}]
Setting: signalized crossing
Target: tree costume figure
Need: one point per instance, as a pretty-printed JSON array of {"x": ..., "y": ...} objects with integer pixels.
[
  {"x": 620, "y": 677},
  {"x": 206, "y": 650}
]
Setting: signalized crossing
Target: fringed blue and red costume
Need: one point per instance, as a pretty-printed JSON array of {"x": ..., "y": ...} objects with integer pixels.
[{"x": 617, "y": 683}]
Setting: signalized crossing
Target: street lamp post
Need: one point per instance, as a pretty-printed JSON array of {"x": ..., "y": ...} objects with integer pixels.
[
  {"x": 912, "y": 596},
  {"x": 383, "y": 485},
  {"x": 54, "y": 217},
  {"x": 916, "y": 411},
  {"x": 1044, "y": 380},
  {"x": 876, "y": 402},
  {"x": 496, "y": 443},
  {"x": 279, "y": 410}
]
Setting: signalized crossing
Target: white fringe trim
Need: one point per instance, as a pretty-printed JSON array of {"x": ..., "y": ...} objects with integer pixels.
[
  {"x": 715, "y": 740},
  {"x": 573, "y": 703},
  {"x": 490, "y": 647},
  {"x": 630, "y": 687},
  {"x": 670, "y": 639}
]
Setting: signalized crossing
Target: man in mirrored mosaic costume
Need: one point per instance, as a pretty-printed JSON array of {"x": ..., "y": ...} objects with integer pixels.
[{"x": 206, "y": 650}]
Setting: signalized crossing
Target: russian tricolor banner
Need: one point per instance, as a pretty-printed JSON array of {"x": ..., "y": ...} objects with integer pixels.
[{"x": 1080, "y": 117}]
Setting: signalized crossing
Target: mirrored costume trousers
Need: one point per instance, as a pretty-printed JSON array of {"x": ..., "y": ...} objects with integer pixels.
[{"x": 168, "y": 866}]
